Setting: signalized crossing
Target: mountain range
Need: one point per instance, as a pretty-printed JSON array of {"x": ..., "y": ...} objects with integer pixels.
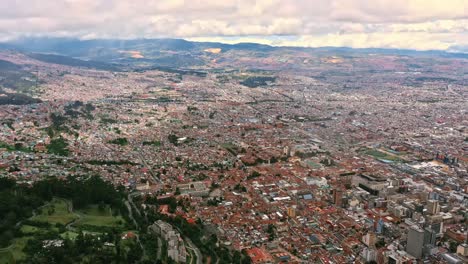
[{"x": 113, "y": 54}]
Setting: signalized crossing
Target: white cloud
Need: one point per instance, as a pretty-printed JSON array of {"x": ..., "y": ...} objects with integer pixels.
[{"x": 420, "y": 24}]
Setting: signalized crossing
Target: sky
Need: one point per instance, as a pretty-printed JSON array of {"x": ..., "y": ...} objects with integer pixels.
[{"x": 408, "y": 24}]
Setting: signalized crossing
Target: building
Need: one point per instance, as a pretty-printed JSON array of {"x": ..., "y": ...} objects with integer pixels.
[
  {"x": 371, "y": 183},
  {"x": 435, "y": 222},
  {"x": 369, "y": 254},
  {"x": 462, "y": 250},
  {"x": 415, "y": 242},
  {"x": 429, "y": 236},
  {"x": 433, "y": 207},
  {"x": 259, "y": 255},
  {"x": 175, "y": 244},
  {"x": 338, "y": 197},
  {"x": 398, "y": 257},
  {"x": 318, "y": 181},
  {"x": 292, "y": 212},
  {"x": 369, "y": 239},
  {"x": 380, "y": 226},
  {"x": 194, "y": 189},
  {"x": 452, "y": 259}
]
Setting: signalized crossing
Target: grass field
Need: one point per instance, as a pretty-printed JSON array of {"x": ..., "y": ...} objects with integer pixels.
[
  {"x": 27, "y": 229},
  {"x": 313, "y": 164},
  {"x": 55, "y": 212},
  {"x": 96, "y": 217},
  {"x": 382, "y": 155},
  {"x": 14, "y": 252},
  {"x": 69, "y": 235},
  {"x": 6, "y": 257},
  {"x": 19, "y": 244},
  {"x": 232, "y": 148}
]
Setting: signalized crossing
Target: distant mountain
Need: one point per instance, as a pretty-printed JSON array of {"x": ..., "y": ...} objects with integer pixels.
[
  {"x": 113, "y": 54},
  {"x": 81, "y": 48},
  {"x": 459, "y": 49},
  {"x": 17, "y": 99},
  {"x": 14, "y": 77},
  {"x": 75, "y": 47},
  {"x": 8, "y": 66},
  {"x": 69, "y": 61},
  {"x": 402, "y": 52}
]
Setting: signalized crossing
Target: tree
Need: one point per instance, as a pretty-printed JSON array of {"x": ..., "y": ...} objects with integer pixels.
[
  {"x": 173, "y": 139},
  {"x": 380, "y": 243},
  {"x": 271, "y": 230},
  {"x": 240, "y": 188},
  {"x": 58, "y": 147},
  {"x": 253, "y": 175},
  {"x": 134, "y": 254},
  {"x": 119, "y": 141},
  {"x": 453, "y": 246},
  {"x": 101, "y": 206}
]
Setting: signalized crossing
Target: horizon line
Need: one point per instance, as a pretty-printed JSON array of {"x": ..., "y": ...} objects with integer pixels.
[{"x": 230, "y": 43}]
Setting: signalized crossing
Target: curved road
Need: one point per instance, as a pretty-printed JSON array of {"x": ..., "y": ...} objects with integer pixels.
[{"x": 130, "y": 214}]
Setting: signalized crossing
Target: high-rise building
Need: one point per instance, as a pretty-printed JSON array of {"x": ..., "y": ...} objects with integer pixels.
[
  {"x": 369, "y": 239},
  {"x": 415, "y": 241},
  {"x": 433, "y": 207},
  {"x": 369, "y": 254},
  {"x": 462, "y": 250},
  {"x": 435, "y": 222},
  {"x": 434, "y": 196},
  {"x": 380, "y": 226},
  {"x": 429, "y": 236},
  {"x": 338, "y": 197},
  {"x": 292, "y": 212}
]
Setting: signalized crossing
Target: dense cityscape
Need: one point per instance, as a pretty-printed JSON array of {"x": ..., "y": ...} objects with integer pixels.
[{"x": 273, "y": 156}]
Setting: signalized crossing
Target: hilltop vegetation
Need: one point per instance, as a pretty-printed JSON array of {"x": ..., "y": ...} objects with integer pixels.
[
  {"x": 17, "y": 99},
  {"x": 8, "y": 66},
  {"x": 12, "y": 76},
  {"x": 69, "y": 61},
  {"x": 256, "y": 81},
  {"x": 81, "y": 215}
]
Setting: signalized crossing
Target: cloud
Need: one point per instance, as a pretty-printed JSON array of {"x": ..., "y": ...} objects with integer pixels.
[
  {"x": 395, "y": 11},
  {"x": 398, "y": 40},
  {"x": 404, "y": 23}
]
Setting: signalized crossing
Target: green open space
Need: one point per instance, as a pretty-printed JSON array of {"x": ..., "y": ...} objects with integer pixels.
[
  {"x": 69, "y": 235},
  {"x": 382, "y": 155},
  {"x": 96, "y": 216},
  {"x": 312, "y": 164},
  {"x": 57, "y": 211},
  {"x": 28, "y": 230},
  {"x": 395, "y": 152},
  {"x": 14, "y": 252},
  {"x": 232, "y": 148},
  {"x": 75, "y": 210},
  {"x": 6, "y": 257},
  {"x": 155, "y": 143},
  {"x": 15, "y": 147}
]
